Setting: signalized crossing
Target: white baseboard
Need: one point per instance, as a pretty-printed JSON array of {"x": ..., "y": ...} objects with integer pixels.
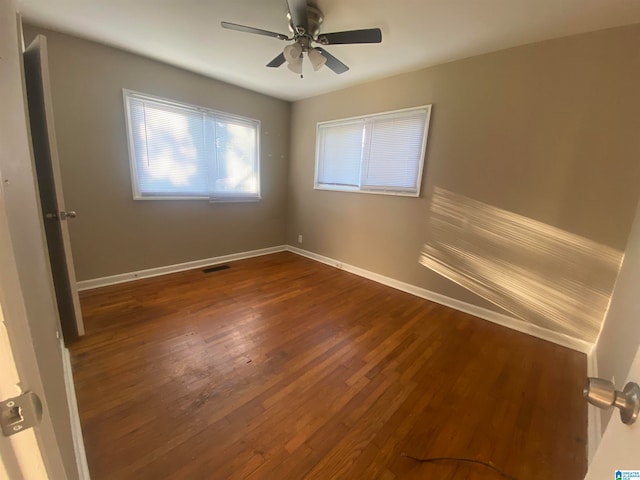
[
  {"x": 483, "y": 313},
  {"x": 594, "y": 420},
  {"x": 76, "y": 430},
  {"x": 180, "y": 267}
]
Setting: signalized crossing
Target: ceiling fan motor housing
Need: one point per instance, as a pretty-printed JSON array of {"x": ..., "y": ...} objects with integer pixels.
[{"x": 314, "y": 22}]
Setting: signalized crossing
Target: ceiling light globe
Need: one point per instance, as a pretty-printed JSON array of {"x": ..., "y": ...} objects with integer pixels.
[
  {"x": 296, "y": 66},
  {"x": 292, "y": 52},
  {"x": 317, "y": 59}
]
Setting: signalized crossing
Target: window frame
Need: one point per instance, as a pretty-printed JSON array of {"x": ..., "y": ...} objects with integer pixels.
[
  {"x": 135, "y": 185},
  {"x": 381, "y": 190}
]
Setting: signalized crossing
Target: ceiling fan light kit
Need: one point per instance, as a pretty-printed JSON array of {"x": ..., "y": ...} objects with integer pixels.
[{"x": 305, "y": 21}]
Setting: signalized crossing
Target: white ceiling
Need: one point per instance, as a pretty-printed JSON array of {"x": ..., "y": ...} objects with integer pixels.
[{"x": 415, "y": 33}]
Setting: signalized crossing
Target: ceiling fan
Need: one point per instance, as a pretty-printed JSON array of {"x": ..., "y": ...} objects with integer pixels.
[{"x": 305, "y": 20}]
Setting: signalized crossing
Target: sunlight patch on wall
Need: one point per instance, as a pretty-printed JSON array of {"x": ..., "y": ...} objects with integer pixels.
[{"x": 537, "y": 272}]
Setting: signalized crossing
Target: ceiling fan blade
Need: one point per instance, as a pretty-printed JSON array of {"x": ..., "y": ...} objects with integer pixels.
[
  {"x": 257, "y": 31},
  {"x": 298, "y": 11},
  {"x": 332, "y": 62},
  {"x": 368, "y": 35},
  {"x": 276, "y": 62}
]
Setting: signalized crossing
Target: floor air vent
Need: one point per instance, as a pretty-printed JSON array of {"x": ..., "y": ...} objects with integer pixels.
[{"x": 216, "y": 268}]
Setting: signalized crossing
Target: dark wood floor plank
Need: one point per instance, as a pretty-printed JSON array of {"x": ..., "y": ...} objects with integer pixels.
[{"x": 284, "y": 368}]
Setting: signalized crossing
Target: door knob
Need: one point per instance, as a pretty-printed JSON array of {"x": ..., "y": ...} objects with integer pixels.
[{"x": 603, "y": 394}]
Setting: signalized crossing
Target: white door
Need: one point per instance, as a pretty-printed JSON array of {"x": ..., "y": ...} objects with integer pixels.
[
  {"x": 619, "y": 448},
  {"x": 55, "y": 219},
  {"x": 27, "y": 297},
  {"x": 19, "y": 455}
]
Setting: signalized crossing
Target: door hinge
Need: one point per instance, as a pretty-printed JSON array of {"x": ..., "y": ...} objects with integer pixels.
[{"x": 19, "y": 413}]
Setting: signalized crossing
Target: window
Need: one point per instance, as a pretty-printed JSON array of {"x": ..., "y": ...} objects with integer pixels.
[
  {"x": 382, "y": 153},
  {"x": 180, "y": 151}
]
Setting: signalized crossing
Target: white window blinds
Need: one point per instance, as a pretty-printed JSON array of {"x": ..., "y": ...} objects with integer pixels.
[
  {"x": 181, "y": 151},
  {"x": 381, "y": 153},
  {"x": 341, "y": 147}
]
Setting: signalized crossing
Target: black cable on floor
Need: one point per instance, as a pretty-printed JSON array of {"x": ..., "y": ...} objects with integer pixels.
[{"x": 459, "y": 459}]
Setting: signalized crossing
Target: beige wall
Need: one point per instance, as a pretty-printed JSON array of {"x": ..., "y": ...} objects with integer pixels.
[
  {"x": 548, "y": 131},
  {"x": 113, "y": 233}
]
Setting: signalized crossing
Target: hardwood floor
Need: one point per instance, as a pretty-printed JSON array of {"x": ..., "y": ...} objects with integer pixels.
[{"x": 284, "y": 368}]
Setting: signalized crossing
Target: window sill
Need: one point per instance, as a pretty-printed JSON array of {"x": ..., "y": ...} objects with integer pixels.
[
  {"x": 209, "y": 199},
  {"x": 374, "y": 192}
]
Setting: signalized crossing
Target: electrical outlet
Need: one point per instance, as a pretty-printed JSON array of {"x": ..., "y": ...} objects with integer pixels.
[{"x": 299, "y": 238}]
